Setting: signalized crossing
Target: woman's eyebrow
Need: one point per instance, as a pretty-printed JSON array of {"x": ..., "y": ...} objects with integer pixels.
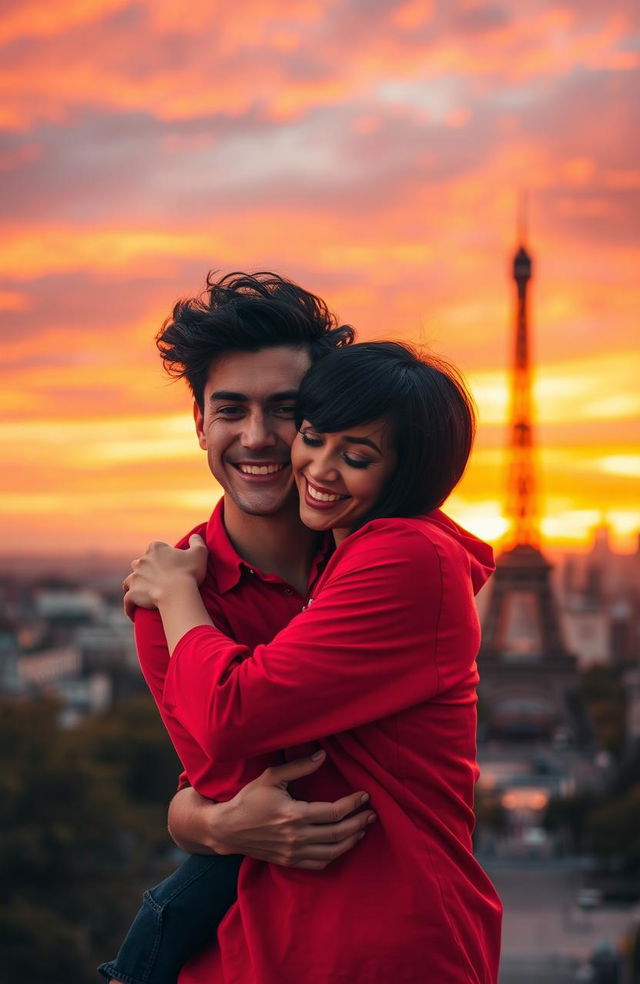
[{"x": 363, "y": 440}]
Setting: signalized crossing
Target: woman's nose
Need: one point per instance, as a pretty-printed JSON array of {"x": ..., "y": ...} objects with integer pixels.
[{"x": 322, "y": 467}]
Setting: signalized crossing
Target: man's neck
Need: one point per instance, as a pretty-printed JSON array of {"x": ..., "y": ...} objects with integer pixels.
[{"x": 279, "y": 544}]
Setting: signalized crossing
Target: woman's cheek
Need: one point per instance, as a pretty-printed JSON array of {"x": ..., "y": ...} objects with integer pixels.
[{"x": 297, "y": 454}]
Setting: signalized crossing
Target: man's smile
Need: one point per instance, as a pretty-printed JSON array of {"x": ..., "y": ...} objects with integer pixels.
[
  {"x": 267, "y": 473},
  {"x": 263, "y": 468}
]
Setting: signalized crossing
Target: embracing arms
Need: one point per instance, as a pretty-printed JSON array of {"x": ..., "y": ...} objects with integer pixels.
[
  {"x": 375, "y": 641},
  {"x": 262, "y": 820}
]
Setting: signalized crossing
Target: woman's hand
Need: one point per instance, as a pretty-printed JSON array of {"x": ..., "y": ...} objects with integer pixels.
[{"x": 160, "y": 569}]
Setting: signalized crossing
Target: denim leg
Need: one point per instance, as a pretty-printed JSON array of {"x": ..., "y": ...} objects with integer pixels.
[{"x": 176, "y": 919}]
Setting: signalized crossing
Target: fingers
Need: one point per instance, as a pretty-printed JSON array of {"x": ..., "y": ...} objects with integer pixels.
[
  {"x": 129, "y": 607},
  {"x": 288, "y": 771},
  {"x": 315, "y": 857},
  {"x": 336, "y": 833},
  {"x": 334, "y": 812},
  {"x": 329, "y": 852}
]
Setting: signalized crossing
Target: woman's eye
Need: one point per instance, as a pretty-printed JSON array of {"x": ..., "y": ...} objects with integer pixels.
[
  {"x": 313, "y": 442},
  {"x": 357, "y": 462}
]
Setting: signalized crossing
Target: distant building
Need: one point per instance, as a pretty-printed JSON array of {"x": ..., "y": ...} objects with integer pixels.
[
  {"x": 10, "y": 682},
  {"x": 632, "y": 690},
  {"x": 107, "y": 643},
  {"x": 69, "y": 642},
  {"x": 39, "y": 671},
  {"x": 600, "y": 598},
  {"x": 69, "y": 606}
]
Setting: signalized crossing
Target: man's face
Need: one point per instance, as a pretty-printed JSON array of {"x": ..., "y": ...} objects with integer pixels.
[{"x": 247, "y": 426}]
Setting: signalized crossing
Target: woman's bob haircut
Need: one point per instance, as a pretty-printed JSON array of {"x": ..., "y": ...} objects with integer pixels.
[{"x": 427, "y": 404}]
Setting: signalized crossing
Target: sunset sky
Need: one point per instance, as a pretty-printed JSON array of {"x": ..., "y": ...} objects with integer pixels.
[{"x": 372, "y": 151}]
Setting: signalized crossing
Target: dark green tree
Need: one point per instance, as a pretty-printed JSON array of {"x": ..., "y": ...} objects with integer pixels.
[
  {"x": 601, "y": 693},
  {"x": 614, "y": 830},
  {"x": 82, "y": 830}
]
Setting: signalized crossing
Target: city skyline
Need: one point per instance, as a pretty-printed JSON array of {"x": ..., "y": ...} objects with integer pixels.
[{"x": 375, "y": 160}]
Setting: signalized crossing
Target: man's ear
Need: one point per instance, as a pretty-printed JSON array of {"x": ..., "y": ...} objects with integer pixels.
[{"x": 198, "y": 417}]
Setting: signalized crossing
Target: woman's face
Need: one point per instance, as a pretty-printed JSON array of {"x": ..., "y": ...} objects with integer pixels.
[{"x": 341, "y": 475}]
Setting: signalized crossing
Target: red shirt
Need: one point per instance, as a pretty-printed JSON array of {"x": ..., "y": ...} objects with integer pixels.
[
  {"x": 248, "y": 605},
  {"x": 383, "y": 662}
]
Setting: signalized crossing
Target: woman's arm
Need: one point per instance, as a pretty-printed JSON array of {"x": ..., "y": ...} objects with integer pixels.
[
  {"x": 261, "y": 820},
  {"x": 379, "y": 638}
]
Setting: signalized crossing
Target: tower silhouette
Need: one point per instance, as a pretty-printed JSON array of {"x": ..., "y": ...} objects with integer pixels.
[
  {"x": 522, "y": 504},
  {"x": 525, "y": 666}
]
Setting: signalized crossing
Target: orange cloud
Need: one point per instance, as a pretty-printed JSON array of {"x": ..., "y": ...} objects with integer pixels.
[
  {"x": 41, "y": 19},
  {"x": 228, "y": 59},
  {"x": 375, "y": 160},
  {"x": 412, "y": 14},
  {"x": 13, "y": 300},
  {"x": 30, "y": 253}
]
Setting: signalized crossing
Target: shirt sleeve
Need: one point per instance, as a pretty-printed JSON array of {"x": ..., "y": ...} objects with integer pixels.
[
  {"x": 153, "y": 656},
  {"x": 367, "y": 647}
]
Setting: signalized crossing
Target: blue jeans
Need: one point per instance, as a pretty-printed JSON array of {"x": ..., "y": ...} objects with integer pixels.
[{"x": 176, "y": 919}]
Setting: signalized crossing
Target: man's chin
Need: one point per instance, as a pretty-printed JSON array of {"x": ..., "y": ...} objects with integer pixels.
[{"x": 265, "y": 506}]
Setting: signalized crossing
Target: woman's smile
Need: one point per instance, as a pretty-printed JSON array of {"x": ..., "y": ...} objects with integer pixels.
[{"x": 319, "y": 498}]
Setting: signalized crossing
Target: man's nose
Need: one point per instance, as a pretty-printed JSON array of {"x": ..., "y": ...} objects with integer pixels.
[{"x": 257, "y": 432}]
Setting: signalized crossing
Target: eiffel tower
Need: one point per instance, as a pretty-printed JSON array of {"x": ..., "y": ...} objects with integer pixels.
[{"x": 525, "y": 666}]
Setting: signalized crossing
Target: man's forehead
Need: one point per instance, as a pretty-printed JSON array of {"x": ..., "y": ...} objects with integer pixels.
[{"x": 263, "y": 375}]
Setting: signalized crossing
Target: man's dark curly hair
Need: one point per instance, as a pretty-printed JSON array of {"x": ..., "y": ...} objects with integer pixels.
[{"x": 242, "y": 312}]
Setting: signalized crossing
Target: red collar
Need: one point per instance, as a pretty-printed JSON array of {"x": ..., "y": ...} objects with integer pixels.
[{"x": 228, "y": 565}]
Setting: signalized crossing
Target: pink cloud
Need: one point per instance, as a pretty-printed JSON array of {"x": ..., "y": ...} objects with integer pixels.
[{"x": 371, "y": 150}]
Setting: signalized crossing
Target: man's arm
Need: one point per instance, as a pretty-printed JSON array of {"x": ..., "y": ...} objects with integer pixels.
[{"x": 264, "y": 822}]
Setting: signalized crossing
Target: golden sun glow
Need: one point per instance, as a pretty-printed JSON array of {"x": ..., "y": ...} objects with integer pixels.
[{"x": 376, "y": 164}]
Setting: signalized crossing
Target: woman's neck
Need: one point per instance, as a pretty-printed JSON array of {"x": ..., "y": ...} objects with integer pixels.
[{"x": 339, "y": 536}]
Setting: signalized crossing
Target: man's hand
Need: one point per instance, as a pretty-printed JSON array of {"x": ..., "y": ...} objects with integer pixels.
[
  {"x": 159, "y": 568},
  {"x": 264, "y": 822}
]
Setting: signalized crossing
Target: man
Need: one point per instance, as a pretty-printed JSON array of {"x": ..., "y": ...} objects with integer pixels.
[{"x": 243, "y": 349}]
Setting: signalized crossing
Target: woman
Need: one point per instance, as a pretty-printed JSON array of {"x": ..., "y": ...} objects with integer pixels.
[{"x": 379, "y": 670}]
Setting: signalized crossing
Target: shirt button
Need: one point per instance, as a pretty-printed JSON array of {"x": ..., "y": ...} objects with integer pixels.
[
  {"x": 251, "y": 570},
  {"x": 288, "y": 591}
]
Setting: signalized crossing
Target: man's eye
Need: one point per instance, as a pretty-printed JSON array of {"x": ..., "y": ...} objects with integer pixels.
[
  {"x": 231, "y": 411},
  {"x": 286, "y": 411}
]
